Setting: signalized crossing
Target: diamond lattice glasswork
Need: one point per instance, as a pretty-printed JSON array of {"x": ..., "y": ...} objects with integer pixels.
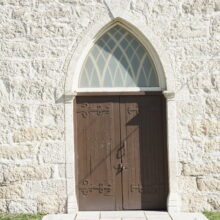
[{"x": 118, "y": 59}]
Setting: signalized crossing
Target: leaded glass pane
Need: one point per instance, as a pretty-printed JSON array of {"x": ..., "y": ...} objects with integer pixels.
[{"x": 118, "y": 59}]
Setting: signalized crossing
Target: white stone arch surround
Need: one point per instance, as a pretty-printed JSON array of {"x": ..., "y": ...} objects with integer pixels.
[{"x": 167, "y": 84}]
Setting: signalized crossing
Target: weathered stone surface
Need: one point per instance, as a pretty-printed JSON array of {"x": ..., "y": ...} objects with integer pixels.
[
  {"x": 10, "y": 30},
  {"x": 48, "y": 115},
  {"x": 37, "y": 189},
  {"x": 204, "y": 128},
  {"x": 198, "y": 6},
  {"x": 46, "y": 68},
  {"x": 212, "y": 167},
  {"x": 16, "y": 152},
  {"x": 37, "y": 41},
  {"x": 52, "y": 204},
  {"x": 14, "y": 68},
  {"x": 208, "y": 184},
  {"x": 9, "y": 118},
  {"x": 22, "y": 206},
  {"x": 190, "y": 151},
  {"x": 16, "y": 3},
  {"x": 216, "y": 25},
  {"x": 52, "y": 152},
  {"x": 3, "y": 206},
  {"x": 14, "y": 174},
  {"x": 195, "y": 201},
  {"x": 37, "y": 134},
  {"x": 214, "y": 201},
  {"x": 212, "y": 107},
  {"x": 212, "y": 145},
  {"x": 11, "y": 191},
  {"x": 187, "y": 184},
  {"x": 4, "y": 96},
  {"x": 22, "y": 90}
]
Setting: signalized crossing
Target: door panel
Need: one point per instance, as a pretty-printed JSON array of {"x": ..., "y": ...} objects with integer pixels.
[
  {"x": 121, "y": 149},
  {"x": 143, "y": 132},
  {"x": 98, "y": 140}
]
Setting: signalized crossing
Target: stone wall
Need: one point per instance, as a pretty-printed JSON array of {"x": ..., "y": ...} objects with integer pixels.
[{"x": 36, "y": 39}]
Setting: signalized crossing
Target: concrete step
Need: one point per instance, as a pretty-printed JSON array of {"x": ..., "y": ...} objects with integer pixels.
[{"x": 125, "y": 215}]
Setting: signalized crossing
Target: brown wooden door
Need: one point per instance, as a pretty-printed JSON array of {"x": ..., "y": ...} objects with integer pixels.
[
  {"x": 122, "y": 159},
  {"x": 98, "y": 138},
  {"x": 144, "y": 178}
]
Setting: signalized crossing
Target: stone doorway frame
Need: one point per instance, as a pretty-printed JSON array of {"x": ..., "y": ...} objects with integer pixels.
[{"x": 164, "y": 70}]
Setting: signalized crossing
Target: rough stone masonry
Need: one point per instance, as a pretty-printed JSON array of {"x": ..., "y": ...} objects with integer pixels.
[{"x": 37, "y": 36}]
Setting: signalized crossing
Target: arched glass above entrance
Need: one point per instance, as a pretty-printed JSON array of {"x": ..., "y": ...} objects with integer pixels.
[{"x": 118, "y": 59}]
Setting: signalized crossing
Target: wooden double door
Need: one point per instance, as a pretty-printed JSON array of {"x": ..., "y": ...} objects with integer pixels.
[{"x": 121, "y": 152}]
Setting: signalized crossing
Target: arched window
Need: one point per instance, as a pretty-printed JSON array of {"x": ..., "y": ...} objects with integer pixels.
[{"x": 118, "y": 59}]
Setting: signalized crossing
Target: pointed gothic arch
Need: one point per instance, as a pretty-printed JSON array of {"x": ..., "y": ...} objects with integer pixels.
[
  {"x": 166, "y": 82},
  {"x": 119, "y": 60}
]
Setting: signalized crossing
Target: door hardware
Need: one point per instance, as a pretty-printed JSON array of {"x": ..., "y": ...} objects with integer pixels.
[{"x": 120, "y": 167}]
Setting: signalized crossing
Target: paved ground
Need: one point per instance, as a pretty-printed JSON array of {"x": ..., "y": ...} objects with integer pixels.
[{"x": 126, "y": 215}]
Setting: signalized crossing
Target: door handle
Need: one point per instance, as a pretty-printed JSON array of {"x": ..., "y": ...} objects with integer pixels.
[{"x": 120, "y": 167}]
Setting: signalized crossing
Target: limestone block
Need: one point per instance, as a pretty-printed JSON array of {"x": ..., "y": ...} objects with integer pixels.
[
  {"x": 197, "y": 49},
  {"x": 211, "y": 167},
  {"x": 208, "y": 184},
  {"x": 15, "y": 115},
  {"x": 212, "y": 107},
  {"x": 38, "y": 134},
  {"x": 17, "y": 152},
  {"x": 1, "y": 174},
  {"x": 3, "y": 206},
  {"x": 41, "y": 188},
  {"x": 204, "y": 128},
  {"x": 58, "y": 13},
  {"x": 20, "y": 49},
  {"x": 187, "y": 184},
  {"x": 17, "y": 3},
  {"x": 195, "y": 202},
  {"x": 14, "y": 68},
  {"x": 214, "y": 201},
  {"x": 190, "y": 150},
  {"x": 22, "y": 206},
  {"x": 5, "y": 137},
  {"x": 57, "y": 30},
  {"x": 217, "y": 5},
  {"x": 65, "y": 43},
  {"x": 189, "y": 28},
  {"x": 21, "y": 13},
  {"x": 51, "y": 204},
  {"x": 216, "y": 25},
  {"x": 47, "y": 115},
  {"x": 198, "y": 6},
  {"x": 52, "y": 152},
  {"x": 11, "y": 191},
  {"x": 13, "y": 174},
  {"x": 32, "y": 90},
  {"x": 5, "y": 14},
  {"x": 190, "y": 109},
  {"x": 189, "y": 67},
  {"x": 62, "y": 170},
  {"x": 4, "y": 95},
  {"x": 11, "y": 30},
  {"x": 214, "y": 66},
  {"x": 47, "y": 68},
  {"x": 202, "y": 83},
  {"x": 216, "y": 49},
  {"x": 212, "y": 145}
]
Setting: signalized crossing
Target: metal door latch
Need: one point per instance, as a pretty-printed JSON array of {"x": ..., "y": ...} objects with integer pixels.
[{"x": 120, "y": 167}]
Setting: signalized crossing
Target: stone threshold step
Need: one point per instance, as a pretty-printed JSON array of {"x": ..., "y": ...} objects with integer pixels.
[{"x": 125, "y": 215}]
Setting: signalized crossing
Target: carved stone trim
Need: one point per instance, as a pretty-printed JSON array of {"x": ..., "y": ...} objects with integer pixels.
[{"x": 169, "y": 95}]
